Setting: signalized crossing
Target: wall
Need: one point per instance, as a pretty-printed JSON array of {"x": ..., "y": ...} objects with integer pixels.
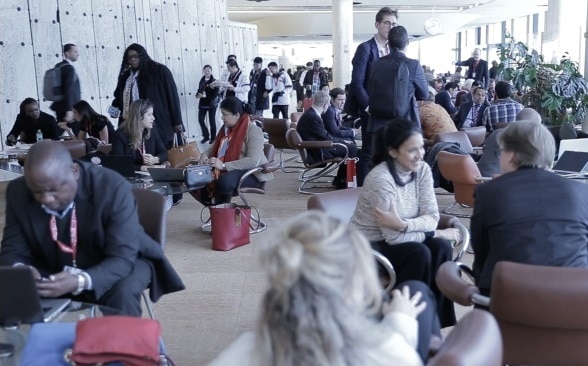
[{"x": 183, "y": 34}]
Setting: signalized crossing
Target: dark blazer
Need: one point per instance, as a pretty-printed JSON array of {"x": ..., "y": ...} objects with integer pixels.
[
  {"x": 70, "y": 84},
  {"x": 481, "y": 70},
  {"x": 261, "y": 102},
  {"x": 311, "y": 128},
  {"x": 211, "y": 93},
  {"x": 323, "y": 80},
  {"x": 464, "y": 110},
  {"x": 443, "y": 98},
  {"x": 153, "y": 146},
  {"x": 110, "y": 238},
  {"x": 366, "y": 53},
  {"x": 160, "y": 88},
  {"x": 334, "y": 127},
  {"x": 28, "y": 128},
  {"x": 418, "y": 88},
  {"x": 529, "y": 216}
]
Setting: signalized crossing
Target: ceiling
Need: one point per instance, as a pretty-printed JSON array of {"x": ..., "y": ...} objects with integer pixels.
[{"x": 301, "y": 21}]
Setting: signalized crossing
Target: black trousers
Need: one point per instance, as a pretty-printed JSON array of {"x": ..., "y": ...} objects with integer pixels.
[
  {"x": 364, "y": 165},
  {"x": 225, "y": 187},
  {"x": 277, "y": 109},
  {"x": 211, "y": 121},
  {"x": 124, "y": 295},
  {"x": 428, "y": 319},
  {"x": 420, "y": 261}
]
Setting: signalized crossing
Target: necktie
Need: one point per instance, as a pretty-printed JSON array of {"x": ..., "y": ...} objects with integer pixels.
[{"x": 475, "y": 113}]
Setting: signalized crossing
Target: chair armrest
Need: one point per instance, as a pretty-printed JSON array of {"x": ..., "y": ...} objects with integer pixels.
[
  {"x": 344, "y": 147},
  {"x": 482, "y": 179},
  {"x": 270, "y": 167},
  {"x": 449, "y": 221},
  {"x": 389, "y": 269},
  {"x": 325, "y": 144},
  {"x": 475, "y": 340},
  {"x": 449, "y": 281}
]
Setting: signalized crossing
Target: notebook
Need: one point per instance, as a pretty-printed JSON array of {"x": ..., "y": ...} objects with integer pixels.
[
  {"x": 20, "y": 301},
  {"x": 572, "y": 162},
  {"x": 167, "y": 175},
  {"x": 122, "y": 164}
]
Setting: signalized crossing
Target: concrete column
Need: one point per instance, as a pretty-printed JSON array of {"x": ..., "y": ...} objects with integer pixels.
[{"x": 342, "y": 41}]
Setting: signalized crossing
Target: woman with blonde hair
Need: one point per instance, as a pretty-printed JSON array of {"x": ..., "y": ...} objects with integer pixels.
[
  {"x": 324, "y": 304},
  {"x": 137, "y": 137}
]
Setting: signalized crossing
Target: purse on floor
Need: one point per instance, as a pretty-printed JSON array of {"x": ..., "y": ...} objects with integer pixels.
[
  {"x": 182, "y": 155},
  {"x": 197, "y": 176},
  {"x": 230, "y": 226},
  {"x": 129, "y": 340}
]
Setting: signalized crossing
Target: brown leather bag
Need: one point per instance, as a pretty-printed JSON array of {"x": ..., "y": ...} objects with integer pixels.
[{"x": 179, "y": 156}]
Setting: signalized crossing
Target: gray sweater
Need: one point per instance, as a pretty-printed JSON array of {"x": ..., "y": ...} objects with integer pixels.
[{"x": 415, "y": 203}]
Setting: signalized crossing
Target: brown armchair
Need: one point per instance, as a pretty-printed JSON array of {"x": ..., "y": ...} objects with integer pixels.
[
  {"x": 459, "y": 137},
  {"x": 310, "y": 178},
  {"x": 276, "y": 129},
  {"x": 477, "y": 136},
  {"x": 464, "y": 174},
  {"x": 541, "y": 310}
]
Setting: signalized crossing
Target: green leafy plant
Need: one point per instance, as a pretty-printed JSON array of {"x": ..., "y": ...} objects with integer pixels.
[{"x": 557, "y": 91}]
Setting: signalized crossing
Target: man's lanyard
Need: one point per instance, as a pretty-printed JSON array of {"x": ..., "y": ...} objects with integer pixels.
[{"x": 73, "y": 233}]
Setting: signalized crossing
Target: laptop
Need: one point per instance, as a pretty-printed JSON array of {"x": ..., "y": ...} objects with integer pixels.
[
  {"x": 20, "y": 301},
  {"x": 122, "y": 164},
  {"x": 572, "y": 162},
  {"x": 573, "y": 145},
  {"x": 167, "y": 175}
]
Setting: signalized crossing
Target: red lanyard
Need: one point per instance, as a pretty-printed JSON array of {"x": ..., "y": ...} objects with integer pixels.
[{"x": 73, "y": 233}]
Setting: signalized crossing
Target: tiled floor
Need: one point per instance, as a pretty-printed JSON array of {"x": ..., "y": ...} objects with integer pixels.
[{"x": 224, "y": 289}]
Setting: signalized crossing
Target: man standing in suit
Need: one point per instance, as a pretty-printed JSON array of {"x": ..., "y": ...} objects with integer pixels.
[
  {"x": 470, "y": 113},
  {"x": 70, "y": 86},
  {"x": 311, "y": 128},
  {"x": 528, "y": 214},
  {"x": 81, "y": 240},
  {"x": 366, "y": 53},
  {"x": 477, "y": 68},
  {"x": 445, "y": 96}
]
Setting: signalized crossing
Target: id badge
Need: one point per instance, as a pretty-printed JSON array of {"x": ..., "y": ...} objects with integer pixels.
[
  {"x": 72, "y": 270},
  {"x": 474, "y": 74}
]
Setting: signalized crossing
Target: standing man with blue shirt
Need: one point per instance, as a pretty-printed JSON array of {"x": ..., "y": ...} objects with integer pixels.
[{"x": 366, "y": 53}]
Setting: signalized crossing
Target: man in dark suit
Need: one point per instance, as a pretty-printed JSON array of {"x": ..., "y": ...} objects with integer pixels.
[
  {"x": 470, "y": 113},
  {"x": 477, "y": 68},
  {"x": 418, "y": 88},
  {"x": 366, "y": 53},
  {"x": 445, "y": 96},
  {"x": 76, "y": 226},
  {"x": 528, "y": 214},
  {"x": 310, "y": 126},
  {"x": 70, "y": 87},
  {"x": 332, "y": 117}
]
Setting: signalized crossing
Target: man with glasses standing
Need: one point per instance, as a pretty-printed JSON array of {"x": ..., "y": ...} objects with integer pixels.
[{"x": 366, "y": 53}]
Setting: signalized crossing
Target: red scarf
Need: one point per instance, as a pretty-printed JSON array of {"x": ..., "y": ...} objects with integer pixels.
[{"x": 237, "y": 138}]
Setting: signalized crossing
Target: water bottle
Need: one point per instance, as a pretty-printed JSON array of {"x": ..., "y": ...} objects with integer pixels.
[{"x": 39, "y": 135}]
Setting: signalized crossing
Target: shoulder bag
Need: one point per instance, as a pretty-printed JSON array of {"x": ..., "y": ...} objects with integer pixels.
[{"x": 181, "y": 155}]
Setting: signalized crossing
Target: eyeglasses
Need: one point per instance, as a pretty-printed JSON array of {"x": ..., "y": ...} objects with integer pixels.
[{"x": 133, "y": 57}]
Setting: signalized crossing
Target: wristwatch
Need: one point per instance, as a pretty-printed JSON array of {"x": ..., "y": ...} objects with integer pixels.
[
  {"x": 224, "y": 167},
  {"x": 81, "y": 285}
]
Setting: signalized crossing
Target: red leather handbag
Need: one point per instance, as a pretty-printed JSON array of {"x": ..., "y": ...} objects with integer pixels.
[
  {"x": 129, "y": 340},
  {"x": 230, "y": 226}
]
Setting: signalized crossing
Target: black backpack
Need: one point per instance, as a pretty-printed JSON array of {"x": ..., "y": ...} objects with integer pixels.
[
  {"x": 52, "y": 85},
  {"x": 388, "y": 88}
]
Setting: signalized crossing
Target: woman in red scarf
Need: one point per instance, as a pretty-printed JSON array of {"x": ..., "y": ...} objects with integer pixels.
[{"x": 237, "y": 148}]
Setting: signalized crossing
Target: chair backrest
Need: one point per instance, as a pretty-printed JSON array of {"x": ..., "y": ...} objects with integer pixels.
[
  {"x": 541, "y": 312},
  {"x": 152, "y": 211},
  {"x": 295, "y": 116},
  {"x": 339, "y": 204},
  {"x": 294, "y": 141},
  {"x": 76, "y": 148},
  {"x": 276, "y": 129},
  {"x": 476, "y": 135},
  {"x": 475, "y": 340},
  {"x": 461, "y": 170},
  {"x": 460, "y": 137}
]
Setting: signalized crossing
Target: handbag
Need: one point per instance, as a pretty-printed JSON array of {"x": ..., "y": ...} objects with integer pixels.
[
  {"x": 230, "y": 226},
  {"x": 129, "y": 340},
  {"x": 180, "y": 156},
  {"x": 197, "y": 176},
  {"x": 46, "y": 344}
]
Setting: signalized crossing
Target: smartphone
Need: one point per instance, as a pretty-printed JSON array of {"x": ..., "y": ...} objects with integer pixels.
[{"x": 113, "y": 111}]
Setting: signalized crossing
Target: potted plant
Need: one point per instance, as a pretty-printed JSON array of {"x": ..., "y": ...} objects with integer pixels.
[{"x": 557, "y": 91}]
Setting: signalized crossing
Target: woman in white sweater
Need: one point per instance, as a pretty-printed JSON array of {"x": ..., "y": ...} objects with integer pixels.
[
  {"x": 324, "y": 301},
  {"x": 397, "y": 210}
]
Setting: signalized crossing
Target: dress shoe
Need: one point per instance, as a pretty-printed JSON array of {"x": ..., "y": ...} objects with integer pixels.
[
  {"x": 211, "y": 141},
  {"x": 204, "y": 140}
]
